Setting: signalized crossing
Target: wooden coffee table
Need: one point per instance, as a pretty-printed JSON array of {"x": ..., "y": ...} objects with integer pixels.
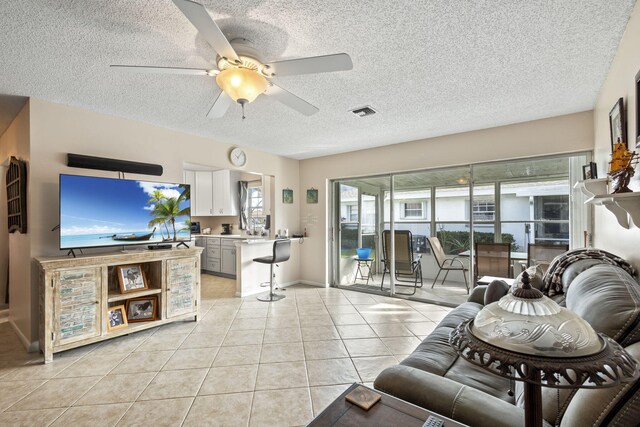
[{"x": 389, "y": 411}]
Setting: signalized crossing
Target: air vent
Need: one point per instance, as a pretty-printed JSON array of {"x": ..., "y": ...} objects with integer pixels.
[{"x": 364, "y": 111}]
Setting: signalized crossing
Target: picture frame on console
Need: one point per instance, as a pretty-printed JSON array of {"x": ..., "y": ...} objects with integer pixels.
[
  {"x": 131, "y": 278},
  {"x": 617, "y": 124},
  {"x": 590, "y": 171},
  {"x": 116, "y": 318},
  {"x": 143, "y": 309}
]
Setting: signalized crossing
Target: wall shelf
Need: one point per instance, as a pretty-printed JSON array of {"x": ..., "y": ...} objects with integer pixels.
[
  {"x": 592, "y": 187},
  {"x": 624, "y": 206}
]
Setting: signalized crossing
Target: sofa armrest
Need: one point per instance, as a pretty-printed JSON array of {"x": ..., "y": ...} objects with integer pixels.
[
  {"x": 477, "y": 294},
  {"x": 448, "y": 398}
]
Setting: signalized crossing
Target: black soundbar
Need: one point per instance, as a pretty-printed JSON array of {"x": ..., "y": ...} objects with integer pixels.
[{"x": 104, "y": 164}]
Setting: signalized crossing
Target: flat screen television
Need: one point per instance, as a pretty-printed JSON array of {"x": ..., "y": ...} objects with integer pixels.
[{"x": 100, "y": 212}]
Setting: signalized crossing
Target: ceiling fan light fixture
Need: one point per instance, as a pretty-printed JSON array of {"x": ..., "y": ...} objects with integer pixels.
[{"x": 241, "y": 84}]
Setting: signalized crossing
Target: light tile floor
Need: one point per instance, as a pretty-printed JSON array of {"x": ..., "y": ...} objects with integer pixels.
[
  {"x": 245, "y": 363},
  {"x": 452, "y": 292}
]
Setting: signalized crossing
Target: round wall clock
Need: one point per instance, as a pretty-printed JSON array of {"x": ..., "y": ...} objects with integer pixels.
[{"x": 237, "y": 157}]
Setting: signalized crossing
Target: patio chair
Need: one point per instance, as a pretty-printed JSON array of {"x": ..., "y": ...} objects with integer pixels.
[
  {"x": 493, "y": 259},
  {"x": 407, "y": 265},
  {"x": 543, "y": 253},
  {"x": 446, "y": 263}
]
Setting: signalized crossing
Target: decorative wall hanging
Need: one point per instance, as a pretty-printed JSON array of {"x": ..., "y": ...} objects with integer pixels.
[
  {"x": 312, "y": 195},
  {"x": 638, "y": 109},
  {"x": 617, "y": 124},
  {"x": 287, "y": 196},
  {"x": 17, "y": 196}
]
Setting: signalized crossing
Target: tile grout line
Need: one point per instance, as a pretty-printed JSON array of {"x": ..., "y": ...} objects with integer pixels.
[{"x": 212, "y": 361}]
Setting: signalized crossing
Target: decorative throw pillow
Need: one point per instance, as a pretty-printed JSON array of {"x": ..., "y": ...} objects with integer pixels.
[{"x": 535, "y": 278}]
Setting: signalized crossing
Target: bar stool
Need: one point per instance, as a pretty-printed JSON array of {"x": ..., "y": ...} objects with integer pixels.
[{"x": 281, "y": 253}]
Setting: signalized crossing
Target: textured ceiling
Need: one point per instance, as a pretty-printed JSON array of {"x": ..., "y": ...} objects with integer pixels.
[{"x": 429, "y": 67}]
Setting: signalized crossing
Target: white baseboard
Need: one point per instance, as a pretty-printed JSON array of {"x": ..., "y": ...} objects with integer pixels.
[
  {"x": 4, "y": 315},
  {"x": 312, "y": 283},
  {"x": 280, "y": 285},
  {"x": 31, "y": 347}
]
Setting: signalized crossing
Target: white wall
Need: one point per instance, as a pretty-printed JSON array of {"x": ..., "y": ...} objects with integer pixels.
[
  {"x": 608, "y": 234},
  {"x": 555, "y": 135},
  {"x": 15, "y": 248},
  {"x": 57, "y": 130}
]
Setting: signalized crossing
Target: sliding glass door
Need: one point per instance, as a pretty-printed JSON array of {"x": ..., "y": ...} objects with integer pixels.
[{"x": 517, "y": 202}]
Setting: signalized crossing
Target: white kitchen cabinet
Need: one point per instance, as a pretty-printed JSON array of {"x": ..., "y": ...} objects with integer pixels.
[
  {"x": 213, "y": 193},
  {"x": 225, "y": 193},
  {"x": 203, "y": 193},
  {"x": 190, "y": 179}
]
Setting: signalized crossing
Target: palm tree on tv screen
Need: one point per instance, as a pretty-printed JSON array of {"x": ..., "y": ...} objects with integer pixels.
[
  {"x": 167, "y": 210},
  {"x": 158, "y": 197}
]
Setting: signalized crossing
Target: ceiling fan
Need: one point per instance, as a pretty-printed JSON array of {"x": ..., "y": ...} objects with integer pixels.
[{"x": 241, "y": 73}]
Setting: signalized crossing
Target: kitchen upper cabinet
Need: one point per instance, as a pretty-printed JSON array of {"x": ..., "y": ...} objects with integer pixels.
[
  {"x": 190, "y": 179},
  {"x": 225, "y": 193},
  {"x": 213, "y": 193},
  {"x": 203, "y": 193}
]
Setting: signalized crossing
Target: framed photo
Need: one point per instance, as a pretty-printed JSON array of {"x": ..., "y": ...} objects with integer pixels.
[
  {"x": 287, "y": 196},
  {"x": 618, "y": 124},
  {"x": 131, "y": 278},
  {"x": 638, "y": 109},
  {"x": 312, "y": 195},
  {"x": 590, "y": 171},
  {"x": 142, "y": 309},
  {"x": 116, "y": 318}
]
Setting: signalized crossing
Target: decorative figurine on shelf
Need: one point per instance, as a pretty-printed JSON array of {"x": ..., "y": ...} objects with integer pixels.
[{"x": 622, "y": 167}]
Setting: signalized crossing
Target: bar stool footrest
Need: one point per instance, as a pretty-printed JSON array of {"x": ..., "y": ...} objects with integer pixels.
[{"x": 270, "y": 297}]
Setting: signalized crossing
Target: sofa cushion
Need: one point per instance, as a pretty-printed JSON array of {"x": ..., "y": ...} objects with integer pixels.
[
  {"x": 434, "y": 354},
  {"x": 465, "y": 372},
  {"x": 495, "y": 290},
  {"x": 535, "y": 277},
  {"x": 612, "y": 406},
  {"x": 576, "y": 268},
  {"x": 608, "y": 298}
]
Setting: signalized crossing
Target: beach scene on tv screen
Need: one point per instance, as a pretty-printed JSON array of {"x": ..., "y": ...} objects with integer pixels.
[{"x": 108, "y": 212}]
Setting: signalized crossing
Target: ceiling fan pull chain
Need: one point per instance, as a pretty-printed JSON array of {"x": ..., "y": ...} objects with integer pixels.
[{"x": 243, "y": 117}]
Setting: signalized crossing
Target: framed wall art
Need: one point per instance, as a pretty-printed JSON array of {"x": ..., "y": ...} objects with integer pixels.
[
  {"x": 312, "y": 195},
  {"x": 287, "y": 196},
  {"x": 590, "y": 171},
  {"x": 638, "y": 109},
  {"x": 131, "y": 278},
  {"x": 116, "y": 318},
  {"x": 16, "y": 182},
  {"x": 617, "y": 124}
]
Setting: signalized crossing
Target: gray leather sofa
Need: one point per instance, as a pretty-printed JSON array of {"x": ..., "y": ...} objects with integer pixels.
[{"x": 434, "y": 377}]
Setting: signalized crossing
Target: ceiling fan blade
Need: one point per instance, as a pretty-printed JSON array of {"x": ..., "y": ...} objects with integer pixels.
[
  {"x": 290, "y": 100},
  {"x": 315, "y": 64},
  {"x": 167, "y": 70},
  {"x": 220, "y": 106},
  {"x": 200, "y": 18}
]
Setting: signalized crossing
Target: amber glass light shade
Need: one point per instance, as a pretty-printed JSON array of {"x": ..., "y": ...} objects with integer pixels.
[{"x": 241, "y": 84}]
